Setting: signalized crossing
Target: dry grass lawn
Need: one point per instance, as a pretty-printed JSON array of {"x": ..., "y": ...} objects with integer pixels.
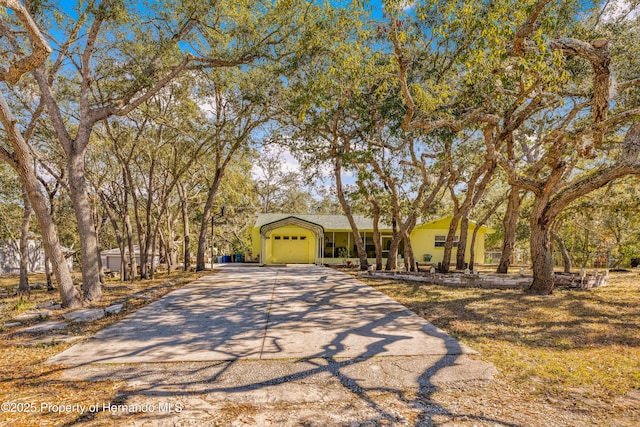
[
  {"x": 27, "y": 383},
  {"x": 571, "y": 351}
]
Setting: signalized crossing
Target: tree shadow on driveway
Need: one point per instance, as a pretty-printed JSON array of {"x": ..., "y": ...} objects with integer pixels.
[{"x": 298, "y": 336}]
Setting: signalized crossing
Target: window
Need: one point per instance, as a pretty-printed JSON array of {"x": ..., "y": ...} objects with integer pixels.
[
  {"x": 294, "y": 237},
  {"x": 440, "y": 241},
  {"x": 277, "y": 237},
  {"x": 303, "y": 237},
  {"x": 285, "y": 237}
]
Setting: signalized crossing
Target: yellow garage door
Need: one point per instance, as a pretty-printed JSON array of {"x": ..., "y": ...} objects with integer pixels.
[{"x": 288, "y": 249}]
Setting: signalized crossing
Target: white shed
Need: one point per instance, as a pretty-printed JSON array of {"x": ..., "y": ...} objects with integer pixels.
[
  {"x": 10, "y": 257},
  {"x": 112, "y": 260}
]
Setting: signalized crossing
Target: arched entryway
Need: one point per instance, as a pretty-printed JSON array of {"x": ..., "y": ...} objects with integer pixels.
[{"x": 291, "y": 240}]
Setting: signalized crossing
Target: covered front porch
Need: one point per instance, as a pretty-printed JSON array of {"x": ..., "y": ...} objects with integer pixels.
[{"x": 340, "y": 246}]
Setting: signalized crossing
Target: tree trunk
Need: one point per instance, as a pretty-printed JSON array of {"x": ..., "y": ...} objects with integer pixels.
[
  {"x": 145, "y": 241},
  {"x": 47, "y": 260},
  {"x": 392, "y": 260},
  {"x": 133, "y": 267},
  {"x": 91, "y": 286},
  {"x": 479, "y": 224},
  {"x": 97, "y": 221},
  {"x": 472, "y": 248},
  {"x": 510, "y": 223},
  {"x": 170, "y": 247},
  {"x": 376, "y": 235},
  {"x": 409, "y": 258},
  {"x": 113, "y": 219},
  {"x": 448, "y": 244},
  {"x": 47, "y": 271},
  {"x": 204, "y": 225},
  {"x": 131, "y": 264},
  {"x": 68, "y": 293},
  {"x": 542, "y": 257},
  {"x": 124, "y": 271},
  {"x": 362, "y": 254},
  {"x": 462, "y": 241},
  {"x": 165, "y": 246},
  {"x": 566, "y": 257},
  {"x": 23, "y": 287},
  {"x": 185, "y": 227},
  {"x": 23, "y": 165},
  {"x": 152, "y": 263}
]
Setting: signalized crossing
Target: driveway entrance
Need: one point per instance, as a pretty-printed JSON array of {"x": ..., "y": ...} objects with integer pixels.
[{"x": 266, "y": 313}]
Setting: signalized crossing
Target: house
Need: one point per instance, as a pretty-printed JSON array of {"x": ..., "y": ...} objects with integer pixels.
[
  {"x": 328, "y": 239},
  {"x": 112, "y": 258},
  {"x": 10, "y": 256}
]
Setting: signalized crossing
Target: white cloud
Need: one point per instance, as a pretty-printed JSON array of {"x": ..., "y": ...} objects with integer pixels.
[{"x": 287, "y": 162}]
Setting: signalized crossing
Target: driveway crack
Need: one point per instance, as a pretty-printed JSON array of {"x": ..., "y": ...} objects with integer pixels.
[{"x": 266, "y": 325}]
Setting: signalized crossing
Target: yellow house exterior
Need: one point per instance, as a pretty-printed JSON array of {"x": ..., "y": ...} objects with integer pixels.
[
  {"x": 429, "y": 238},
  {"x": 328, "y": 239}
]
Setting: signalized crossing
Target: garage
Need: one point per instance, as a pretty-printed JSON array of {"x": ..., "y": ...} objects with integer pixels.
[
  {"x": 291, "y": 241},
  {"x": 290, "y": 249}
]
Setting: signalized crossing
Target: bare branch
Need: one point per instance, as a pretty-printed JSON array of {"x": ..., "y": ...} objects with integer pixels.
[
  {"x": 40, "y": 48},
  {"x": 53, "y": 109},
  {"x": 628, "y": 84}
]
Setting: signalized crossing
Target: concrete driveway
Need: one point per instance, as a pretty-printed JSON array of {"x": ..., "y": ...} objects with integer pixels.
[
  {"x": 266, "y": 313},
  {"x": 292, "y": 346}
]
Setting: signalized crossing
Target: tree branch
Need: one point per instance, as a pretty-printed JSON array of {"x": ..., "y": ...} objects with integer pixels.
[
  {"x": 40, "y": 48},
  {"x": 527, "y": 28},
  {"x": 628, "y": 164},
  {"x": 628, "y": 84}
]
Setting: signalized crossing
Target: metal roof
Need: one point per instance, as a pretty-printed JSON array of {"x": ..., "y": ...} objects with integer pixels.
[
  {"x": 328, "y": 222},
  {"x": 340, "y": 222},
  {"x": 292, "y": 220}
]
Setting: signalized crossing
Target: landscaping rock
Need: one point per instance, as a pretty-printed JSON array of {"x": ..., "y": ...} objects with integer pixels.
[
  {"x": 588, "y": 401},
  {"x": 55, "y": 307},
  {"x": 113, "y": 309},
  {"x": 47, "y": 304},
  {"x": 51, "y": 340},
  {"x": 43, "y": 327},
  {"x": 633, "y": 395},
  {"x": 12, "y": 324},
  {"x": 460, "y": 280},
  {"x": 117, "y": 288},
  {"x": 84, "y": 315},
  {"x": 33, "y": 315}
]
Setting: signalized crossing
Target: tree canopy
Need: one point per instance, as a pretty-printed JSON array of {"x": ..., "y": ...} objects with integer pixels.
[{"x": 144, "y": 120}]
